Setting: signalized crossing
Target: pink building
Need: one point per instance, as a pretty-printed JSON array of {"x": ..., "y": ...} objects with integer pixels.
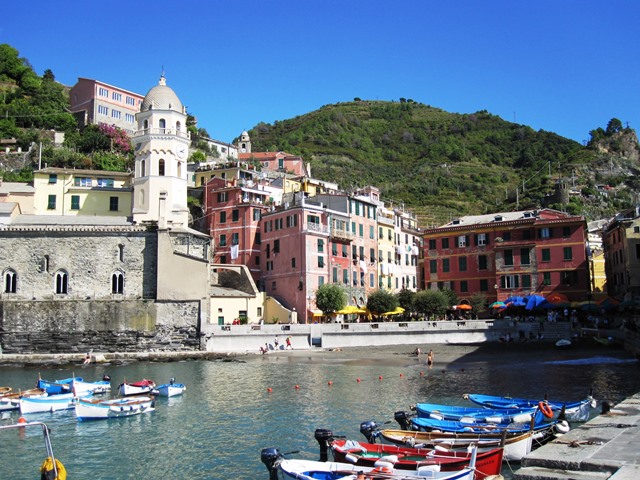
[
  {"x": 94, "y": 102},
  {"x": 276, "y": 162}
]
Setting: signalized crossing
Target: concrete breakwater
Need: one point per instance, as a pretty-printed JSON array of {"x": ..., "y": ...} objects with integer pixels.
[{"x": 606, "y": 447}]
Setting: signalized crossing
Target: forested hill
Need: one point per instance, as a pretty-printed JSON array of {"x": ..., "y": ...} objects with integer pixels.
[{"x": 439, "y": 164}]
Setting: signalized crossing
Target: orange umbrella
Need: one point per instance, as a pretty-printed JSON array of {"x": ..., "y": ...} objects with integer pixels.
[{"x": 464, "y": 306}]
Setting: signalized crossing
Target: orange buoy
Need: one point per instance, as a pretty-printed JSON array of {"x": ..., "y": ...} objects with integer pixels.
[
  {"x": 329, "y": 383},
  {"x": 421, "y": 374},
  {"x": 358, "y": 380},
  {"x": 22, "y": 420},
  {"x": 402, "y": 374},
  {"x": 297, "y": 387},
  {"x": 545, "y": 409},
  {"x": 269, "y": 389},
  {"x": 380, "y": 377}
]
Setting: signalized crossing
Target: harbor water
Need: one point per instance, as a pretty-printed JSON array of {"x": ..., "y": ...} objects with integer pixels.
[{"x": 232, "y": 409}]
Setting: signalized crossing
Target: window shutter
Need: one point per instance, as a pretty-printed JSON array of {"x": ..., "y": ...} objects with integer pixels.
[{"x": 475, "y": 239}]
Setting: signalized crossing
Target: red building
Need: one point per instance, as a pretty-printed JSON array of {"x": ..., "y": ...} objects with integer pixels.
[
  {"x": 234, "y": 212},
  {"x": 504, "y": 254}
]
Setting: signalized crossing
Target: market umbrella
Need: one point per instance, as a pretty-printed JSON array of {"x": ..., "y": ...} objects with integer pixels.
[
  {"x": 535, "y": 301},
  {"x": 349, "y": 309},
  {"x": 397, "y": 311},
  {"x": 498, "y": 305},
  {"x": 463, "y": 306},
  {"x": 516, "y": 301}
]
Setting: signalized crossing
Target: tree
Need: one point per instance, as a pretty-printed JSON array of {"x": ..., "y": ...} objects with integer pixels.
[
  {"x": 478, "y": 301},
  {"x": 381, "y": 301},
  {"x": 406, "y": 299},
  {"x": 450, "y": 295},
  {"x": 330, "y": 298},
  {"x": 431, "y": 302},
  {"x": 614, "y": 126}
]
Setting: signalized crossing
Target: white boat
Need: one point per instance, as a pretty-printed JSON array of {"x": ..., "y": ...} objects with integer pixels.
[
  {"x": 11, "y": 401},
  {"x": 171, "y": 389},
  {"x": 80, "y": 387},
  {"x": 96, "y": 409},
  {"x": 137, "y": 388},
  {"x": 48, "y": 403},
  {"x": 313, "y": 470}
]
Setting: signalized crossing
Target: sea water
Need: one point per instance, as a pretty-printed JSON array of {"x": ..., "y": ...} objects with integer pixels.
[{"x": 233, "y": 409}]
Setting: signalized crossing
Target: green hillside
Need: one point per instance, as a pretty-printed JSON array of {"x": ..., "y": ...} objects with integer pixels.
[{"x": 439, "y": 164}]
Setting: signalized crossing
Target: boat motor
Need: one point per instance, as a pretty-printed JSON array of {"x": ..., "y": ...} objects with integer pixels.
[
  {"x": 403, "y": 420},
  {"x": 324, "y": 438},
  {"x": 370, "y": 431},
  {"x": 271, "y": 457}
]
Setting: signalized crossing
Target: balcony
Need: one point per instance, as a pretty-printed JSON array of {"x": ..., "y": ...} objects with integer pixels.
[
  {"x": 344, "y": 235},
  {"x": 317, "y": 228},
  {"x": 385, "y": 220},
  {"x": 162, "y": 131}
]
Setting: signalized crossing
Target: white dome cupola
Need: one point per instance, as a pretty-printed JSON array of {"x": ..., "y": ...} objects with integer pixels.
[{"x": 161, "y": 146}]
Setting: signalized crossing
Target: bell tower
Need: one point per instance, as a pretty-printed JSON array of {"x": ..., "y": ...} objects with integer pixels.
[
  {"x": 161, "y": 145},
  {"x": 244, "y": 145}
]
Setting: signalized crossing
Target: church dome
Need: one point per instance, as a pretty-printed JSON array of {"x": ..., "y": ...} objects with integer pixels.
[{"x": 161, "y": 97}]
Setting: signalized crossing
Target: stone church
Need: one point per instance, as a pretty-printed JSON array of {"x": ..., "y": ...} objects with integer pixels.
[{"x": 140, "y": 281}]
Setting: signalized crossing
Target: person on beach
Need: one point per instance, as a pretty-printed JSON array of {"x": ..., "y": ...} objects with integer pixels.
[
  {"x": 87, "y": 359},
  {"x": 289, "y": 347},
  {"x": 275, "y": 343},
  {"x": 417, "y": 351},
  {"x": 430, "y": 358}
]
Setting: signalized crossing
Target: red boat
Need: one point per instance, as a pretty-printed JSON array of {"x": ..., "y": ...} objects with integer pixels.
[{"x": 488, "y": 462}]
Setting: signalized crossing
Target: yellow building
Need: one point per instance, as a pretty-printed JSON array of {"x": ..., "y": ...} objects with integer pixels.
[
  {"x": 63, "y": 191},
  {"x": 598, "y": 273}
]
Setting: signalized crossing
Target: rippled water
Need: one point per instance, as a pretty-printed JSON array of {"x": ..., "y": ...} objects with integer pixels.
[{"x": 217, "y": 429}]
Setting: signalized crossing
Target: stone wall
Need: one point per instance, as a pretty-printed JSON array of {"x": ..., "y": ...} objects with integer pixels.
[{"x": 103, "y": 326}]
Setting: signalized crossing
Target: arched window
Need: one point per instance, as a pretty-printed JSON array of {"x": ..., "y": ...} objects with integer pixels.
[
  {"x": 162, "y": 124},
  {"x": 62, "y": 282},
  {"x": 179, "y": 169},
  {"x": 141, "y": 197},
  {"x": 143, "y": 168},
  {"x": 117, "y": 282},
  {"x": 146, "y": 124},
  {"x": 178, "y": 126},
  {"x": 10, "y": 281},
  {"x": 161, "y": 167}
]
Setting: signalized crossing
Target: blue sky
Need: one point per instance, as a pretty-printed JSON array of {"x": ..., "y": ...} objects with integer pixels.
[{"x": 565, "y": 66}]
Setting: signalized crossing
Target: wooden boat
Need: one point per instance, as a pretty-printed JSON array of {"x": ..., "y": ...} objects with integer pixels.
[
  {"x": 5, "y": 391},
  {"x": 488, "y": 462},
  {"x": 313, "y": 470},
  {"x": 458, "y": 413},
  {"x": 574, "y": 411},
  {"x": 137, "y": 388},
  {"x": 97, "y": 409},
  {"x": 171, "y": 389},
  {"x": 11, "y": 401},
  {"x": 516, "y": 446},
  {"x": 57, "y": 386},
  {"x": 47, "y": 403},
  {"x": 80, "y": 387},
  {"x": 472, "y": 425}
]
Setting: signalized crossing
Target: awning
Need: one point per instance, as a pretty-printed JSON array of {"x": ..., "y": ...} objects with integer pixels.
[
  {"x": 349, "y": 309},
  {"x": 315, "y": 313},
  {"x": 397, "y": 311}
]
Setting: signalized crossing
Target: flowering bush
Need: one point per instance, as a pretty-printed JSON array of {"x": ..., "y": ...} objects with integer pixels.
[{"x": 120, "y": 142}]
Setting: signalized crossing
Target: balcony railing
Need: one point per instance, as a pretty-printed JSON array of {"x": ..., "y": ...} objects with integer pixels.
[
  {"x": 342, "y": 234},
  {"x": 317, "y": 228},
  {"x": 162, "y": 131}
]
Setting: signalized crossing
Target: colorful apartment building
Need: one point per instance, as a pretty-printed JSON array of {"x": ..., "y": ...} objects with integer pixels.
[
  {"x": 621, "y": 242},
  {"x": 94, "y": 102},
  {"x": 276, "y": 162},
  {"x": 505, "y": 254},
  {"x": 68, "y": 191},
  {"x": 408, "y": 243}
]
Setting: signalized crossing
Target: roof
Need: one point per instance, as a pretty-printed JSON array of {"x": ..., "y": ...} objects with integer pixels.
[
  {"x": 79, "y": 171},
  {"x": 218, "y": 291},
  {"x": 7, "y": 188},
  {"x": 161, "y": 97},
  {"x": 501, "y": 217},
  {"x": 69, "y": 220}
]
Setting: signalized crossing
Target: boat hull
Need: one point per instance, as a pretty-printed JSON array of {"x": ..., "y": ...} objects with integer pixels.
[
  {"x": 96, "y": 388},
  {"x": 49, "y": 403},
  {"x": 113, "y": 408},
  {"x": 171, "y": 390},
  {"x": 574, "y": 411}
]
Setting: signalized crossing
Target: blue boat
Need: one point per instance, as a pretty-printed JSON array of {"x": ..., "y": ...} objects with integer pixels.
[
  {"x": 57, "y": 386},
  {"x": 458, "y": 413},
  {"x": 574, "y": 411}
]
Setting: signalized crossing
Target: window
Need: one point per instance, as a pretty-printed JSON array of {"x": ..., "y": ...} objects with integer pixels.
[
  {"x": 464, "y": 286},
  {"x": 506, "y": 236},
  {"x": 223, "y": 197},
  {"x": 62, "y": 282},
  {"x": 481, "y": 239},
  {"x": 223, "y": 259},
  {"x": 345, "y": 276},
  {"x": 567, "y": 253},
  {"x": 546, "y": 278},
  {"x": 117, "y": 283},
  {"x": 115, "y": 113},
  {"x": 508, "y": 258},
  {"x": 105, "y": 182},
  {"x": 445, "y": 265},
  {"x": 257, "y": 214},
  {"x": 10, "y": 281},
  {"x": 130, "y": 101},
  {"x": 546, "y": 255},
  {"x": 545, "y": 232},
  {"x": 75, "y": 202},
  {"x": 345, "y": 252},
  {"x": 334, "y": 249},
  {"x": 313, "y": 219},
  {"x": 235, "y": 240},
  {"x": 223, "y": 217},
  {"x": 223, "y": 241},
  {"x": 82, "y": 182},
  {"x": 276, "y": 245},
  {"x": 334, "y": 272},
  {"x": 102, "y": 110},
  {"x": 462, "y": 241},
  {"x": 51, "y": 204},
  {"x": 433, "y": 266},
  {"x": 129, "y": 118},
  {"x": 525, "y": 256},
  {"x": 482, "y": 262},
  {"x": 121, "y": 252},
  {"x": 462, "y": 264},
  {"x": 484, "y": 285},
  {"x": 320, "y": 281},
  {"x": 566, "y": 232},
  {"x": 445, "y": 243},
  {"x": 113, "y": 204},
  {"x": 293, "y": 262},
  {"x": 570, "y": 277},
  {"x": 509, "y": 281},
  {"x": 53, "y": 178},
  {"x": 320, "y": 245},
  {"x": 372, "y": 280},
  {"x": 432, "y": 244},
  {"x": 372, "y": 255},
  {"x": 235, "y": 215},
  {"x": 320, "y": 262},
  {"x": 526, "y": 281},
  {"x": 372, "y": 232},
  {"x": 161, "y": 167},
  {"x": 116, "y": 96},
  {"x": 361, "y": 230},
  {"x": 103, "y": 92},
  {"x": 526, "y": 234}
]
